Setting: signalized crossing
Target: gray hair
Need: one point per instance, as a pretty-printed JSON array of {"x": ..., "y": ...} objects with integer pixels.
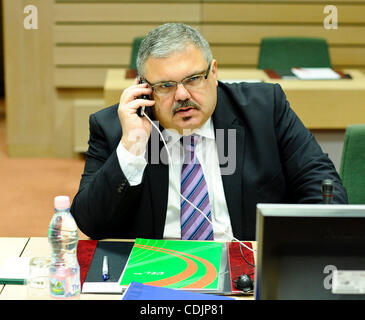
[{"x": 168, "y": 38}]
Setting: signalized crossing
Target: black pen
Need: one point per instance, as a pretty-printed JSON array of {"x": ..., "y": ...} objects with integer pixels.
[{"x": 105, "y": 270}]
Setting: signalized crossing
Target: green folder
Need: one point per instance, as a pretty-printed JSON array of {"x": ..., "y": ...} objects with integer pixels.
[{"x": 188, "y": 265}]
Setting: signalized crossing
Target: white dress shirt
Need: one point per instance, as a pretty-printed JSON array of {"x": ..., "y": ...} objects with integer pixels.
[{"x": 206, "y": 152}]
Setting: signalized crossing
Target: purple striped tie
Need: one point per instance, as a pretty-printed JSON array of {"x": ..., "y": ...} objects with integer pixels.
[{"x": 194, "y": 188}]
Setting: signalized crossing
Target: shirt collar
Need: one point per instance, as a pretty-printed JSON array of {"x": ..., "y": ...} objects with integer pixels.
[{"x": 206, "y": 130}]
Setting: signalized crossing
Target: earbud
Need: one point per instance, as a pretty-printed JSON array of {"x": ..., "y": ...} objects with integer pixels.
[{"x": 244, "y": 283}]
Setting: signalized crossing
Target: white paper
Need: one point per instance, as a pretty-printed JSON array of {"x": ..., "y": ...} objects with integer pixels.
[
  {"x": 315, "y": 73},
  {"x": 102, "y": 287},
  {"x": 348, "y": 282},
  {"x": 15, "y": 268}
]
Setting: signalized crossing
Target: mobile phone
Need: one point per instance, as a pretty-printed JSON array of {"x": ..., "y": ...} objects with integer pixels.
[{"x": 143, "y": 110}]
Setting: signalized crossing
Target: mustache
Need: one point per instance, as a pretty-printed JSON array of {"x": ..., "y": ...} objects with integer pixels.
[{"x": 184, "y": 104}]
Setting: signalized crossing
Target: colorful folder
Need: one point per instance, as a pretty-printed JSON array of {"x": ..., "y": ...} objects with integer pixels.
[
  {"x": 179, "y": 264},
  {"x": 184, "y": 258}
]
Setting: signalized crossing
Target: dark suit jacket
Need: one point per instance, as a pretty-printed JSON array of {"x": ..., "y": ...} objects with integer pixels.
[{"x": 277, "y": 161}]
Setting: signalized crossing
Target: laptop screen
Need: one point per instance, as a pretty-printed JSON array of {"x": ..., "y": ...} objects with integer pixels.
[{"x": 310, "y": 251}]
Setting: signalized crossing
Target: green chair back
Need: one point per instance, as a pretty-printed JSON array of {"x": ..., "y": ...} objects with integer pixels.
[
  {"x": 283, "y": 53},
  {"x": 135, "y": 47},
  {"x": 352, "y": 170}
]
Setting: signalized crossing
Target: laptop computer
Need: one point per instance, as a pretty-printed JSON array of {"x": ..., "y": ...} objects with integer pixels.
[{"x": 310, "y": 252}]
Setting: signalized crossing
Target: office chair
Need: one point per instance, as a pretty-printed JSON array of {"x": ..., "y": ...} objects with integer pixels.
[
  {"x": 283, "y": 53},
  {"x": 131, "y": 72},
  {"x": 135, "y": 47},
  {"x": 352, "y": 169}
]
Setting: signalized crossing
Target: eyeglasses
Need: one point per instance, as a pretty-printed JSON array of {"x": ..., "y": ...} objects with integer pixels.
[{"x": 194, "y": 82}]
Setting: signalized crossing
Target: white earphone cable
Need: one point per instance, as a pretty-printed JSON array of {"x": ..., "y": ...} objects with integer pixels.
[{"x": 201, "y": 212}]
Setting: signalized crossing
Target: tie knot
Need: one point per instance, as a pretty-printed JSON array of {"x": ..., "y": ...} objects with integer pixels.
[
  {"x": 193, "y": 140},
  {"x": 189, "y": 144}
]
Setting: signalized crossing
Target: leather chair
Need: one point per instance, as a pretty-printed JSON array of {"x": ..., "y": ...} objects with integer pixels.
[
  {"x": 283, "y": 53},
  {"x": 352, "y": 169}
]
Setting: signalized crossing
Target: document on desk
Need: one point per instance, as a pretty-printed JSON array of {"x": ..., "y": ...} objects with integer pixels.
[
  {"x": 315, "y": 74},
  {"x": 118, "y": 254},
  {"x": 348, "y": 282},
  {"x": 177, "y": 264},
  {"x": 15, "y": 270}
]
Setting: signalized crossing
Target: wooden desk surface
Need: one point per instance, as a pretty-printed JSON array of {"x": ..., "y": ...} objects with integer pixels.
[
  {"x": 321, "y": 104},
  {"x": 37, "y": 247}
]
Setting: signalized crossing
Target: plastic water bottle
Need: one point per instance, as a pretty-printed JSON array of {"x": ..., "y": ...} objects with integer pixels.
[{"x": 64, "y": 272}]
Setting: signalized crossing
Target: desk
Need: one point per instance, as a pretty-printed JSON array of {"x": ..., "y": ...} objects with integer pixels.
[
  {"x": 320, "y": 104},
  {"x": 38, "y": 246}
]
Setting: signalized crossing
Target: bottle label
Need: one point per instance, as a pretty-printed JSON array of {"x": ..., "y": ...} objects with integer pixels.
[{"x": 65, "y": 283}]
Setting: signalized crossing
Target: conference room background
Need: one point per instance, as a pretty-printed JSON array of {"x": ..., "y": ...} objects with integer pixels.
[{"x": 57, "y": 56}]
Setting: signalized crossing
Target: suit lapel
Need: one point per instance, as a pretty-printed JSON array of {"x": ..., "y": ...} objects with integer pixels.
[
  {"x": 234, "y": 133},
  {"x": 158, "y": 178},
  {"x": 232, "y": 180}
]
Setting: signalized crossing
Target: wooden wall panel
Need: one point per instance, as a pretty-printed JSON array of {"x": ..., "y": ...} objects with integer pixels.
[
  {"x": 78, "y": 40},
  {"x": 235, "y": 28},
  {"x": 353, "y": 57},
  {"x": 127, "y": 12},
  {"x": 29, "y": 86},
  {"x": 247, "y": 56},
  {"x": 92, "y": 55},
  {"x": 91, "y": 36},
  {"x": 268, "y": 13},
  {"x": 232, "y": 56},
  {"x": 278, "y": 12},
  {"x": 253, "y": 33},
  {"x": 79, "y": 77},
  {"x": 100, "y": 34}
]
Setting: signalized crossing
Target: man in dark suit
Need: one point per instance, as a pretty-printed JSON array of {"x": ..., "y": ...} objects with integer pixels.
[{"x": 252, "y": 148}]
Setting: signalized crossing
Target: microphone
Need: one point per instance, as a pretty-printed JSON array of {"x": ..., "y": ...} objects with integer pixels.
[{"x": 327, "y": 191}]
